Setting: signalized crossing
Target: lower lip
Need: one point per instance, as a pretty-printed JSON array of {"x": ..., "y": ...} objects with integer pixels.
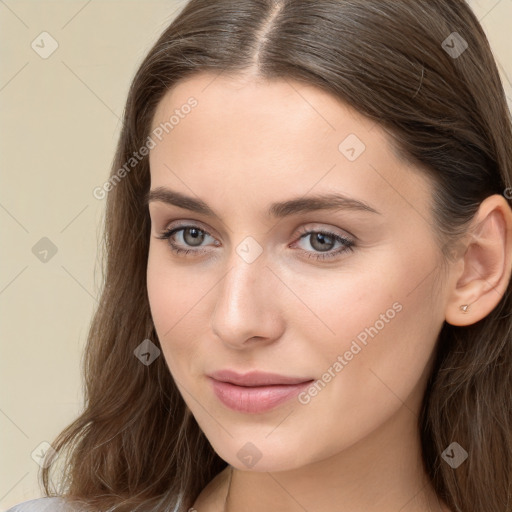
[{"x": 256, "y": 398}]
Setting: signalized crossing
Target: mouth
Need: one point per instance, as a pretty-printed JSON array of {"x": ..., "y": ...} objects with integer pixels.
[{"x": 255, "y": 392}]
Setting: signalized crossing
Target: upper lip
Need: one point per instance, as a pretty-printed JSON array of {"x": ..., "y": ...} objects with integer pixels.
[{"x": 256, "y": 378}]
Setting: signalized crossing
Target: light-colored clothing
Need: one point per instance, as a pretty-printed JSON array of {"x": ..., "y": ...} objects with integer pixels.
[
  {"x": 45, "y": 504},
  {"x": 50, "y": 504}
]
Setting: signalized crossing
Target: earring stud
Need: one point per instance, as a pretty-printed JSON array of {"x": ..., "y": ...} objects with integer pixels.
[{"x": 464, "y": 308}]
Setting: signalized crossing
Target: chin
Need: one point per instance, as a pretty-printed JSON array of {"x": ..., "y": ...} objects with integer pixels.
[
  {"x": 273, "y": 463},
  {"x": 255, "y": 453}
]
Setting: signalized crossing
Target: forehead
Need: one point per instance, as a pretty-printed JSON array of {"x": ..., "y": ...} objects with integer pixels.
[
  {"x": 261, "y": 99},
  {"x": 256, "y": 135}
]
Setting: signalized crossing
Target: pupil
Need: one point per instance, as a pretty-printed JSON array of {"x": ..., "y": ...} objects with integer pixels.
[
  {"x": 322, "y": 238},
  {"x": 195, "y": 233}
]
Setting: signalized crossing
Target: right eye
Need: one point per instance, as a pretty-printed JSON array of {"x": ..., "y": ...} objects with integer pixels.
[{"x": 190, "y": 234}]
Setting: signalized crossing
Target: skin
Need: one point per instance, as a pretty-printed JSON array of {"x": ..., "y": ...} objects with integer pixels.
[{"x": 355, "y": 444}]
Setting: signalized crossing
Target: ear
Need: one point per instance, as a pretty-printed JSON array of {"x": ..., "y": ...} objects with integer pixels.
[{"x": 482, "y": 274}]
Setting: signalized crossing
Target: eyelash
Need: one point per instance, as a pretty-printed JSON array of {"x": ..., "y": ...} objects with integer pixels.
[{"x": 348, "y": 245}]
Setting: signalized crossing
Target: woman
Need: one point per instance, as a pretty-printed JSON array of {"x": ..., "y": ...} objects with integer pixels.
[{"x": 307, "y": 301}]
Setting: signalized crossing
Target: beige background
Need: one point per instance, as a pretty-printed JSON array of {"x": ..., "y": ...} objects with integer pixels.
[{"x": 60, "y": 119}]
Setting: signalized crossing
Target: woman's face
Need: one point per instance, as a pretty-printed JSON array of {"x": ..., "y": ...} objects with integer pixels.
[{"x": 265, "y": 283}]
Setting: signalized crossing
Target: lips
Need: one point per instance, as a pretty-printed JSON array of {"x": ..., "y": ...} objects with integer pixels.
[
  {"x": 255, "y": 392},
  {"x": 256, "y": 378}
]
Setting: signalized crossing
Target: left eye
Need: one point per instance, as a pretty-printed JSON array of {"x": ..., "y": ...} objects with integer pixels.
[{"x": 322, "y": 241}]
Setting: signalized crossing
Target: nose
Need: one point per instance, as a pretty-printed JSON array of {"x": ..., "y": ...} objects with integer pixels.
[{"x": 247, "y": 310}]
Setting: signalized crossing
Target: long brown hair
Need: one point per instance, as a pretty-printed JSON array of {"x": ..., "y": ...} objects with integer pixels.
[{"x": 136, "y": 445}]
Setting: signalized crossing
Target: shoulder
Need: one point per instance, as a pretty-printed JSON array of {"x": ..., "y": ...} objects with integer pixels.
[{"x": 45, "y": 504}]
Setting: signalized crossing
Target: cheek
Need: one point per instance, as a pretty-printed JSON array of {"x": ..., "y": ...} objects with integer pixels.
[
  {"x": 175, "y": 301},
  {"x": 376, "y": 318},
  {"x": 378, "y": 358},
  {"x": 385, "y": 332}
]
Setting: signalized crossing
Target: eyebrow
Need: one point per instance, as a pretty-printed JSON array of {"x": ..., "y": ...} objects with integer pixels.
[{"x": 333, "y": 201}]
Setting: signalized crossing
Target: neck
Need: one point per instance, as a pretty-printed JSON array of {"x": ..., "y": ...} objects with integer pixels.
[{"x": 381, "y": 473}]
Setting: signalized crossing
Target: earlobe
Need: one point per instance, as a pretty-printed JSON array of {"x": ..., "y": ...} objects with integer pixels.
[{"x": 484, "y": 276}]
